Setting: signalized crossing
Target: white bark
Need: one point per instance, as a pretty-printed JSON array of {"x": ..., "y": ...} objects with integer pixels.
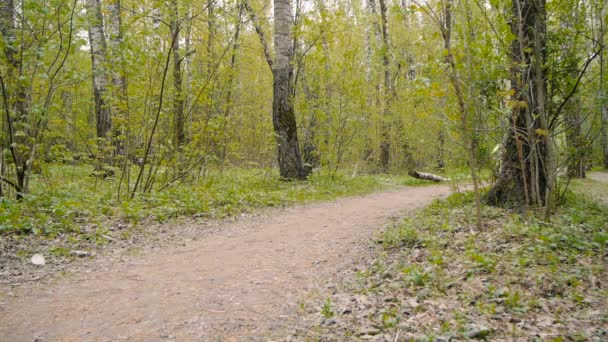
[
  {"x": 98, "y": 58},
  {"x": 282, "y": 33}
]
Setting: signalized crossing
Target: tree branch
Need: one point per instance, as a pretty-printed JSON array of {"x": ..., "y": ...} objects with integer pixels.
[
  {"x": 575, "y": 87},
  {"x": 258, "y": 29}
]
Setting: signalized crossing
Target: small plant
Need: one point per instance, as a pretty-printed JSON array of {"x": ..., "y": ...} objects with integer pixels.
[
  {"x": 415, "y": 276},
  {"x": 326, "y": 310},
  {"x": 390, "y": 318},
  {"x": 58, "y": 251},
  {"x": 485, "y": 261}
]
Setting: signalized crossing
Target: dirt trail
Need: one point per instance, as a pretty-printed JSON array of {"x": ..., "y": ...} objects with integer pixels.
[
  {"x": 598, "y": 176},
  {"x": 235, "y": 284}
]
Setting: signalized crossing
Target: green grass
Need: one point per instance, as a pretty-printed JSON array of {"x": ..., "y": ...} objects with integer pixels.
[{"x": 66, "y": 197}]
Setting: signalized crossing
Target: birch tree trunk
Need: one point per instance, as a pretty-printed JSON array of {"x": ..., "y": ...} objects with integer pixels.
[
  {"x": 283, "y": 114},
  {"x": 97, "y": 41}
]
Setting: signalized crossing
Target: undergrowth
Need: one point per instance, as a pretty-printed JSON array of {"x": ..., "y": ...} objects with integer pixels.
[
  {"x": 66, "y": 198},
  {"x": 440, "y": 278}
]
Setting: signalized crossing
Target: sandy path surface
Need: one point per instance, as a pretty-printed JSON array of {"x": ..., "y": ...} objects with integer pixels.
[
  {"x": 598, "y": 176},
  {"x": 235, "y": 284}
]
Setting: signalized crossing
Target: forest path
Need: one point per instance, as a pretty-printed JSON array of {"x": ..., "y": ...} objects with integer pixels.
[
  {"x": 234, "y": 284},
  {"x": 598, "y": 176}
]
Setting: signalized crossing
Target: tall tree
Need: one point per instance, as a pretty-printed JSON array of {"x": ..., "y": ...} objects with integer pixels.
[
  {"x": 119, "y": 85},
  {"x": 178, "y": 98},
  {"x": 35, "y": 43},
  {"x": 283, "y": 113},
  {"x": 97, "y": 41},
  {"x": 527, "y": 173},
  {"x": 16, "y": 101},
  {"x": 575, "y": 139},
  {"x": 600, "y": 13},
  {"x": 388, "y": 93}
]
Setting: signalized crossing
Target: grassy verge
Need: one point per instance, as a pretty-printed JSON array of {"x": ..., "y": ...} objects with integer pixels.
[
  {"x": 66, "y": 199},
  {"x": 440, "y": 279}
]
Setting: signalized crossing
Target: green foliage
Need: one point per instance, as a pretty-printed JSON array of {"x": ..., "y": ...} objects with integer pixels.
[
  {"x": 326, "y": 310},
  {"x": 415, "y": 276},
  {"x": 70, "y": 198}
]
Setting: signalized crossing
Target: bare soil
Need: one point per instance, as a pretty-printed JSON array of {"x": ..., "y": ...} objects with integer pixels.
[
  {"x": 599, "y": 176},
  {"x": 241, "y": 282},
  {"x": 597, "y": 190}
]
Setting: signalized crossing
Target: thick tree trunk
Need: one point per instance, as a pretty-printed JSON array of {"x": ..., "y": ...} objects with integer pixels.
[
  {"x": 283, "y": 114},
  {"x": 284, "y": 121},
  {"x": 178, "y": 99},
  {"x": 527, "y": 173},
  {"x": 97, "y": 41}
]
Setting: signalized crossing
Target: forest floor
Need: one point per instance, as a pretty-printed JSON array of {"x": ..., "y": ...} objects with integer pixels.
[
  {"x": 242, "y": 280},
  {"x": 436, "y": 276}
]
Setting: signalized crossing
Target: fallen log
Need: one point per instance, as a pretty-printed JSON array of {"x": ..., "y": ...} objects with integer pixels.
[{"x": 427, "y": 176}]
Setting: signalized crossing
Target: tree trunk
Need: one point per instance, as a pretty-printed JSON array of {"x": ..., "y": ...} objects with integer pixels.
[
  {"x": 574, "y": 140},
  {"x": 119, "y": 84},
  {"x": 311, "y": 156},
  {"x": 527, "y": 172},
  {"x": 97, "y": 41},
  {"x": 283, "y": 114},
  {"x": 602, "y": 93},
  {"x": 178, "y": 100},
  {"x": 427, "y": 176},
  {"x": 16, "y": 102},
  {"x": 388, "y": 94}
]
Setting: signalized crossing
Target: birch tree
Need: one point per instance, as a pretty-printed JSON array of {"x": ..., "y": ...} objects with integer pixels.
[
  {"x": 97, "y": 41},
  {"x": 283, "y": 113}
]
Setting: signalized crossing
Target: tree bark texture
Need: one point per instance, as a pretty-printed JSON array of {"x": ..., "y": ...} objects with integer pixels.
[
  {"x": 388, "y": 94},
  {"x": 427, "y": 176},
  {"x": 178, "y": 98},
  {"x": 119, "y": 85},
  {"x": 527, "y": 171},
  {"x": 602, "y": 92},
  {"x": 283, "y": 114},
  {"x": 97, "y": 41}
]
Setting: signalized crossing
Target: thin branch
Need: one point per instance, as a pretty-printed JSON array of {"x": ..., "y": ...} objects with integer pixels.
[
  {"x": 260, "y": 32},
  {"x": 575, "y": 87}
]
